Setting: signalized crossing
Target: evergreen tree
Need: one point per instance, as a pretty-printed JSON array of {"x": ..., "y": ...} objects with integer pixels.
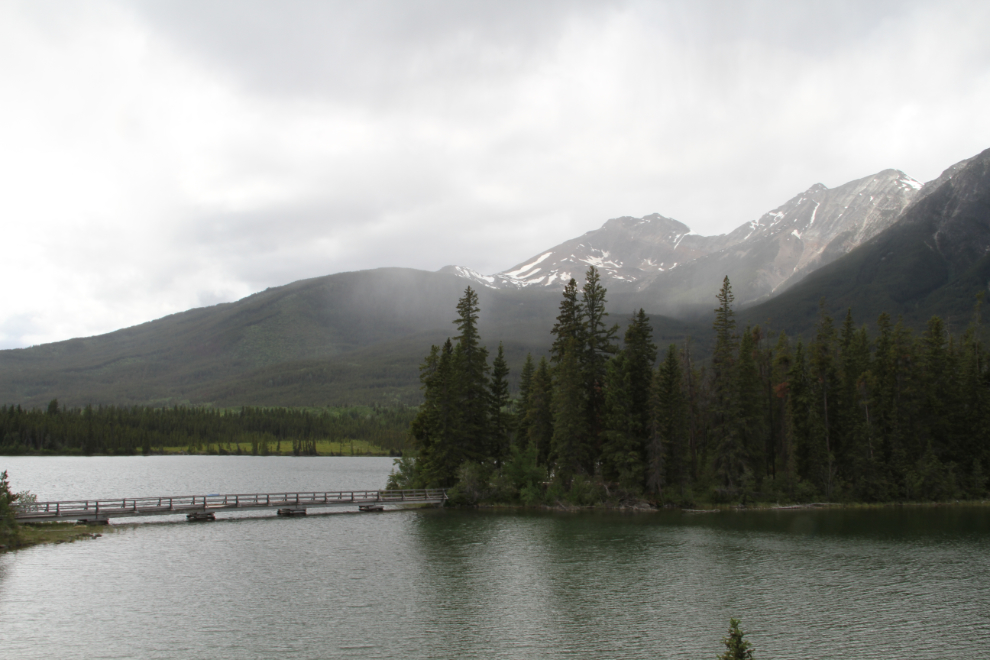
[
  {"x": 783, "y": 457},
  {"x": 622, "y": 449},
  {"x": 433, "y": 430},
  {"x": 824, "y": 389},
  {"x": 736, "y": 648},
  {"x": 8, "y": 524},
  {"x": 668, "y": 469},
  {"x": 569, "y": 324},
  {"x": 729, "y": 460},
  {"x": 799, "y": 413},
  {"x": 600, "y": 344},
  {"x": 974, "y": 440},
  {"x": 471, "y": 381},
  {"x": 571, "y": 451},
  {"x": 748, "y": 418},
  {"x": 500, "y": 421},
  {"x": 539, "y": 412},
  {"x": 521, "y": 404},
  {"x": 641, "y": 355}
]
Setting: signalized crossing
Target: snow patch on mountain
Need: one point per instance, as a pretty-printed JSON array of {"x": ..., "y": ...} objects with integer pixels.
[{"x": 639, "y": 253}]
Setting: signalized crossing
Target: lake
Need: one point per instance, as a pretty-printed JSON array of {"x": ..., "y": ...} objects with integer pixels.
[{"x": 911, "y": 582}]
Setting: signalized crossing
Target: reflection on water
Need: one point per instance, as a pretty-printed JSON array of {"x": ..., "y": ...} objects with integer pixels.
[{"x": 487, "y": 584}]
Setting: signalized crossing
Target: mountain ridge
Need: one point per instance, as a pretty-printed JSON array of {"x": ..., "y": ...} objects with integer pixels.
[
  {"x": 358, "y": 337},
  {"x": 663, "y": 257}
]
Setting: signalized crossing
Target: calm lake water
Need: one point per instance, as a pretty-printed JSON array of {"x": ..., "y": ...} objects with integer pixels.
[{"x": 891, "y": 583}]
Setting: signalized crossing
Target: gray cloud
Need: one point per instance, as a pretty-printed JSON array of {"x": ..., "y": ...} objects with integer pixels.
[{"x": 165, "y": 155}]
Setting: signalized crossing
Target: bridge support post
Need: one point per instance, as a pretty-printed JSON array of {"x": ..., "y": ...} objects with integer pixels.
[{"x": 292, "y": 511}]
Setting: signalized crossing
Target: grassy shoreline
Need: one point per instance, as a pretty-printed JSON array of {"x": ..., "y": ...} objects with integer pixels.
[
  {"x": 323, "y": 448},
  {"x": 32, "y": 534}
]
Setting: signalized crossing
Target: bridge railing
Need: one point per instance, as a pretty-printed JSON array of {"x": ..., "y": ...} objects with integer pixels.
[{"x": 136, "y": 506}]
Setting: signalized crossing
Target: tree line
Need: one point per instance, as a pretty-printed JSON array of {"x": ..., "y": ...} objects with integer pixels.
[
  {"x": 844, "y": 415},
  {"x": 142, "y": 429}
]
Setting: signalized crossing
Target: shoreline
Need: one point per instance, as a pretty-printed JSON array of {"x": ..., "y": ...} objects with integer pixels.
[
  {"x": 645, "y": 507},
  {"x": 53, "y": 533}
]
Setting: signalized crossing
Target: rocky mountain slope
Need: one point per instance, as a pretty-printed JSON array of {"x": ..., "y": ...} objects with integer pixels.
[
  {"x": 935, "y": 260},
  {"x": 676, "y": 269}
]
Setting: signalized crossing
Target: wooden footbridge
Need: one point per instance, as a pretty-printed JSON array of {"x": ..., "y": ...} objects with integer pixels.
[{"x": 205, "y": 507}]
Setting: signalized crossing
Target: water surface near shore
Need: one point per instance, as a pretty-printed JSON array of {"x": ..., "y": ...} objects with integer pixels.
[{"x": 863, "y": 583}]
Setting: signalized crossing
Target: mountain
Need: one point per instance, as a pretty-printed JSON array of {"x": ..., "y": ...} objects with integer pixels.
[
  {"x": 934, "y": 260},
  {"x": 347, "y": 338},
  {"x": 881, "y": 243},
  {"x": 665, "y": 265}
]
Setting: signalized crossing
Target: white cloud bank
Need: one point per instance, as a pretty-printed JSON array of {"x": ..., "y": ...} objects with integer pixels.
[{"x": 156, "y": 157}]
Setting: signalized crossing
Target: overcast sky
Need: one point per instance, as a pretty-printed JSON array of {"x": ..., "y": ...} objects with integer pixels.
[{"x": 166, "y": 155}]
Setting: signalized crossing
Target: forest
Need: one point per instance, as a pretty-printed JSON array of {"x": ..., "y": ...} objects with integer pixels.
[
  {"x": 259, "y": 431},
  {"x": 844, "y": 415}
]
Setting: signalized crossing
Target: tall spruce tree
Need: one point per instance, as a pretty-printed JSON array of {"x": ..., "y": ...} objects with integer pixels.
[
  {"x": 571, "y": 450},
  {"x": 599, "y": 345},
  {"x": 783, "y": 460},
  {"x": 627, "y": 405},
  {"x": 569, "y": 324},
  {"x": 825, "y": 389},
  {"x": 641, "y": 356},
  {"x": 539, "y": 412},
  {"x": 521, "y": 404},
  {"x": 668, "y": 470},
  {"x": 799, "y": 405},
  {"x": 500, "y": 419},
  {"x": 623, "y": 447},
  {"x": 729, "y": 459},
  {"x": 975, "y": 404},
  {"x": 434, "y": 428},
  {"x": 748, "y": 418},
  {"x": 471, "y": 375}
]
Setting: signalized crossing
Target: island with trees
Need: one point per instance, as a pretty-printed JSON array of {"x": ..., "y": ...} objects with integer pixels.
[{"x": 844, "y": 416}]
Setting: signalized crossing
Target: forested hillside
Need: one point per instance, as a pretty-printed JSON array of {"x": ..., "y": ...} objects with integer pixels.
[
  {"x": 844, "y": 415},
  {"x": 131, "y": 430}
]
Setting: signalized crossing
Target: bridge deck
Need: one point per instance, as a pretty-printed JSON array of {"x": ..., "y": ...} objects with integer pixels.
[{"x": 201, "y": 504}]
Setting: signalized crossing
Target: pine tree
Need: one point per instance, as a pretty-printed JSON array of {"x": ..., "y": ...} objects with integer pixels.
[
  {"x": 748, "y": 419},
  {"x": 471, "y": 381},
  {"x": 600, "y": 344},
  {"x": 729, "y": 459},
  {"x": 569, "y": 324},
  {"x": 622, "y": 448},
  {"x": 736, "y": 648},
  {"x": 641, "y": 355},
  {"x": 974, "y": 399},
  {"x": 668, "y": 469},
  {"x": 799, "y": 411},
  {"x": 8, "y": 524},
  {"x": 824, "y": 389},
  {"x": 521, "y": 404},
  {"x": 783, "y": 459},
  {"x": 539, "y": 412},
  {"x": 498, "y": 415},
  {"x": 571, "y": 450},
  {"x": 434, "y": 429}
]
